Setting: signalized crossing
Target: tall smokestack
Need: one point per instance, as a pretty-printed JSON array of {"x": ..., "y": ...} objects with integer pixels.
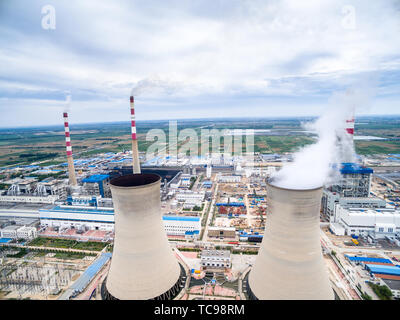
[
  {"x": 135, "y": 149},
  {"x": 350, "y": 126},
  {"x": 71, "y": 168},
  {"x": 289, "y": 264}
]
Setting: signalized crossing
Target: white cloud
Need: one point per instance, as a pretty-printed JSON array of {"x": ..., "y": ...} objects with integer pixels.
[{"x": 246, "y": 49}]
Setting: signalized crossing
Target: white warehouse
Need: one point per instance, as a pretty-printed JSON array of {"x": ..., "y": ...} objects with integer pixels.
[
  {"x": 78, "y": 217},
  {"x": 190, "y": 196},
  {"x": 378, "y": 223},
  {"x": 179, "y": 225}
]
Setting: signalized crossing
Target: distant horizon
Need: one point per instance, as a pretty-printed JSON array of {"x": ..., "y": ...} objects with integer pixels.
[{"x": 195, "y": 119}]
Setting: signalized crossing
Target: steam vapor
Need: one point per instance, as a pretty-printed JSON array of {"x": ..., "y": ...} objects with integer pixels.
[
  {"x": 153, "y": 84},
  {"x": 314, "y": 165},
  {"x": 67, "y": 105}
]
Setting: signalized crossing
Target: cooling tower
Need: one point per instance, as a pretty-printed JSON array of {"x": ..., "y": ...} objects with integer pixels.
[
  {"x": 143, "y": 265},
  {"x": 289, "y": 265}
]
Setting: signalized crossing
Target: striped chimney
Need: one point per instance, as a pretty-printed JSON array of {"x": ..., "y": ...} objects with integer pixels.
[
  {"x": 350, "y": 126},
  {"x": 71, "y": 168},
  {"x": 135, "y": 150}
]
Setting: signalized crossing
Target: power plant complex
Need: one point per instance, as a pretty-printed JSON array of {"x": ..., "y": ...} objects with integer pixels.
[{"x": 199, "y": 228}]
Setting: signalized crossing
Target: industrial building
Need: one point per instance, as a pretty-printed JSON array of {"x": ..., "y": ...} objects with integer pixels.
[
  {"x": 187, "y": 195},
  {"x": 355, "y": 181},
  {"x": 331, "y": 199},
  {"x": 98, "y": 184},
  {"x": 18, "y": 232},
  {"x": 375, "y": 223},
  {"x": 222, "y": 232},
  {"x": 78, "y": 217},
  {"x": 229, "y": 179},
  {"x": 289, "y": 264},
  {"x": 181, "y": 225},
  {"x": 215, "y": 259}
]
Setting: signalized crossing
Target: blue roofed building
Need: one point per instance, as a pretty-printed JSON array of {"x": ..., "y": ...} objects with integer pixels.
[
  {"x": 97, "y": 184},
  {"x": 182, "y": 225}
]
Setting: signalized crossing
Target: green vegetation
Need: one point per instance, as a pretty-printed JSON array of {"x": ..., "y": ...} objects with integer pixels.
[
  {"x": 383, "y": 292},
  {"x": 67, "y": 244},
  {"x": 244, "y": 252},
  {"x": 62, "y": 254},
  {"x": 192, "y": 181},
  {"x": 280, "y": 144},
  {"x": 189, "y": 249},
  {"x": 3, "y": 186},
  {"x": 31, "y": 157},
  {"x": 366, "y": 296},
  {"x": 377, "y": 147},
  {"x": 22, "y": 252}
]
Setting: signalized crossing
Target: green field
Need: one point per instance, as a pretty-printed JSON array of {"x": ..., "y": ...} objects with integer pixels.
[
  {"x": 67, "y": 244},
  {"x": 28, "y": 145}
]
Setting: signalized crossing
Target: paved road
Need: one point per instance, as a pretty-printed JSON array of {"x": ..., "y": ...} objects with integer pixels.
[{"x": 210, "y": 214}]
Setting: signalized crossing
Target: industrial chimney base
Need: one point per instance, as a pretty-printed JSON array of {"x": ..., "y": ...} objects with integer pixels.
[{"x": 168, "y": 295}]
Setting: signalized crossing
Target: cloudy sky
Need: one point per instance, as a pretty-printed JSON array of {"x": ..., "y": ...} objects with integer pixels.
[{"x": 194, "y": 59}]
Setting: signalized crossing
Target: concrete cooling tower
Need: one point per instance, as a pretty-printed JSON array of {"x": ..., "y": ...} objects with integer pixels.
[
  {"x": 143, "y": 265},
  {"x": 290, "y": 265}
]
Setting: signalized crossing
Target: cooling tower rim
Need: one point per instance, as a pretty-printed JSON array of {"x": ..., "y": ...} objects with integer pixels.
[
  {"x": 135, "y": 181},
  {"x": 270, "y": 184}
]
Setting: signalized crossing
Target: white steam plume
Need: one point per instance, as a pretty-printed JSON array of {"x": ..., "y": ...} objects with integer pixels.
[
  {"x": 154, "y": 84},
  {"x": 313, "y": 166},
  {"x": 67, "y": 105}
]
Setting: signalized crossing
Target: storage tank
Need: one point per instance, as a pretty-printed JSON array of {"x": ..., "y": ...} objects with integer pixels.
[
  {"x": 290, "y": 264},
  {"x": 143, "y": 265}
]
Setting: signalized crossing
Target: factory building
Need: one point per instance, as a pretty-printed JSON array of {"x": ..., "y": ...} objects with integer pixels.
[
  {"x": 330, "y": 200},
  {"x": 185, "y": 180},
  {"x": 187, "y": 195},
  {"x": 98, "y": 184},
  {"x": 19, "y": 186},
  {"x": 222, "y": 232},
  {"x": 18, "y": 232},
  {"x": 78, "y": 217},
  {"x": 355, "y": 181},
  {"x": 376, "y": 223},
  {"x": 215, "y": 259},
  {"x": 29, "y": 199},
  {"x": 229, "y": 179},
  {"x": 179, "y": 225}
]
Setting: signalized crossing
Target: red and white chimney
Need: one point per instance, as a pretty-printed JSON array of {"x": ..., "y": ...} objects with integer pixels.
[
  {"x": 135, "y": 149},
  {"x": 71, "y": 167}
]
